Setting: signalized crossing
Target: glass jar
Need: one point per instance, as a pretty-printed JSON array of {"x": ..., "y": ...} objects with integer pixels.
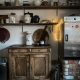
[{"x": 12, "y": 18}]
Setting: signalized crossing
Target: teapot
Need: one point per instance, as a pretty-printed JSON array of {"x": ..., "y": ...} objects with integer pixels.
[
  {"x": 28, "y": 17},
  {"x": 36, "y": 19}
]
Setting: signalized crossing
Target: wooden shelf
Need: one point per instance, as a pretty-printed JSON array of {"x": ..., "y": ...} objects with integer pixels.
[
  {"x": 38, "y": 7},
  {"x": 69, "y": 7},
  {"x": 26, "y": 7},
  {"x": 16, "y": 24},
  {"x": 39, "y": 23}
]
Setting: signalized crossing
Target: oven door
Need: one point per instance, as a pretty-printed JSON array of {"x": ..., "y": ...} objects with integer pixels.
[
  {"x": 72, "y": 33},
  {"x": 72, "y": 39}
]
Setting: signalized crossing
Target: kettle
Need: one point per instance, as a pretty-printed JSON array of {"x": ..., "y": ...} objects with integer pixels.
[
  {"x": 36, "y": 19},
  {"x": 28, "y": 17}
]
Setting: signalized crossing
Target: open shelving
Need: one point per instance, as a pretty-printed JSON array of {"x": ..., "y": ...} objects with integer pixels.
[
  {"x": 16, "y": 24},
  {"x": 38, "y": 7}
]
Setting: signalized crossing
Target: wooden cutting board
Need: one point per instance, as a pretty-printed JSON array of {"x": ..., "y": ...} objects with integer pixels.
[{"x": 38, "y": 34}]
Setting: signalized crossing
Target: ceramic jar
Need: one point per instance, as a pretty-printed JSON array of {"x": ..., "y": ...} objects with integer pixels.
[
  {"x": 27, "y": 18},
  {"x": 37, "y": 2},
  {"x": 17, "y": 3},
  {"x": 12, "y": 18}
]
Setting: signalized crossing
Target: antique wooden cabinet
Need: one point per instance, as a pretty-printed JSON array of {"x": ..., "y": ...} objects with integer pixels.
[{"x": 29, "y": 62}]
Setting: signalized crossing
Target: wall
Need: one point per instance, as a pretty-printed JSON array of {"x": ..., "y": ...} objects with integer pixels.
[{"x": 16, "y": 35}]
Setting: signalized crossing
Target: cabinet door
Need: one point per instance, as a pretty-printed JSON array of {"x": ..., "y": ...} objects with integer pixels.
[
  {"x": 39, "y": 66},
  {"x": 19, "y": 67}
]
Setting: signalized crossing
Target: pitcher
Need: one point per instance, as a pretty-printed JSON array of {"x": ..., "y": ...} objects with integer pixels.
[{"x": 29, "y": 39}]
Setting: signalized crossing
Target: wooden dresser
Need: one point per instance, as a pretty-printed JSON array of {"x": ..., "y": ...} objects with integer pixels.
[{"x": 29, "y": 62}]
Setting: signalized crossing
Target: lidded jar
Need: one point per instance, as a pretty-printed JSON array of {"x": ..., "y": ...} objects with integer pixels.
[
  {"x": 17, "y": 3},
  {"x": 27, "y": 18},
  {"x": 37, "y": 2},
  {"x": 12, "y": 18}
]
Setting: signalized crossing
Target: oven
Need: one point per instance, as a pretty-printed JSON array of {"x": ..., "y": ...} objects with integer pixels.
[{"x": 71, "y": 62}]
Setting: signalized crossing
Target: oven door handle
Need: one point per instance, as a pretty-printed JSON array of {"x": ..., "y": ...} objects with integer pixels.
[{"x": 66, "y": 37}]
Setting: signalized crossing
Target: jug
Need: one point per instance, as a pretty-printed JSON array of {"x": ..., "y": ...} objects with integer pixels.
[
  {"x": 28, "y": 17},
  {"x": 29, "y": 39},
  {"x": 36, "y": 19}
]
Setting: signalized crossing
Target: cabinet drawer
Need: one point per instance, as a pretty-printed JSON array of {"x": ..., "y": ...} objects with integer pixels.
[
  {"x": 39, "y": 50},
  {"x": 19, "y": 50}
]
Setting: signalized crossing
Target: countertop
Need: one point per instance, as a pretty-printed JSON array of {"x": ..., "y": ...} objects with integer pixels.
[{"x": 29, "y": 46}]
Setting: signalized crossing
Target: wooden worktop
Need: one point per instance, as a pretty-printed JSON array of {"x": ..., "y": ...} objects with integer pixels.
[{"x": 29, "y": 46}]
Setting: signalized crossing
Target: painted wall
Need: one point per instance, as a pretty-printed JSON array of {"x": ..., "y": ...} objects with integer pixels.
[{"x": 16, "y": 35}]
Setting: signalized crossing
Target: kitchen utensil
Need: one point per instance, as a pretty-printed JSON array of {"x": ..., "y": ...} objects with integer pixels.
[
  {"x": 7, "y": 2},
  {"x": 45, "y": 21},
  {"x": 45, "y": 3},
  {"x": 29, "y": 39},
  {"x": 4, "y": 34},
  {"x": 54, "y": 2},
  {"x": 36, "y": 19},
  {"x": 37, "y": 35},
  {"x": 3, "y": 18},
  {"x": 37, "y": 2},
  {"x": 28, "y": 17},
  {"x": 17, "y": 3},
  {"x": 12, "y": 18},
  {"x": 26, "y": 3},
  {"x": 73, "y": 2}
]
